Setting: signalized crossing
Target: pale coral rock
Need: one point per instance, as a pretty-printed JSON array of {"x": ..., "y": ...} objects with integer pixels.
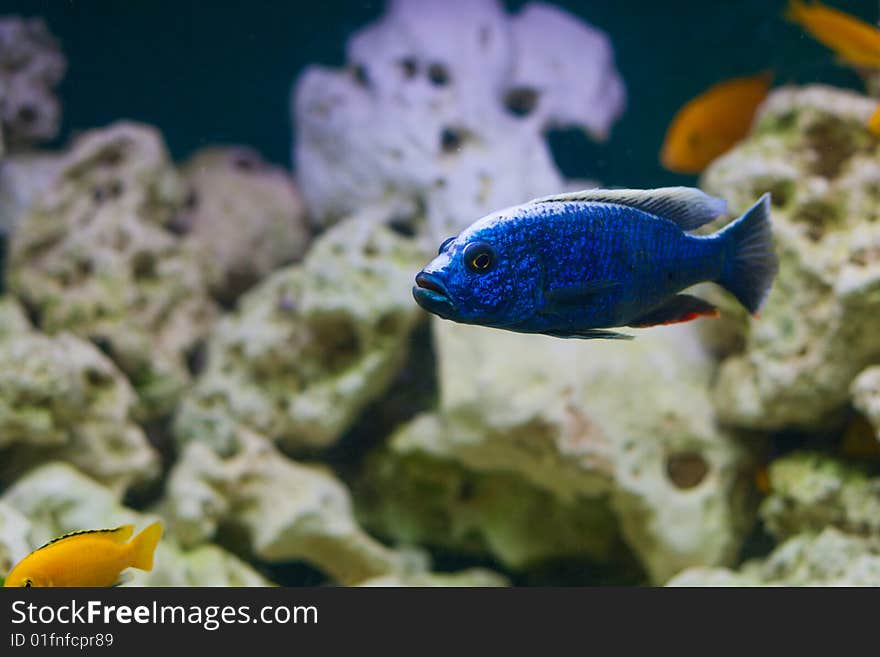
[
  {"x": 820, "y": 327},
  {"x": 311, "y": 345},
  {"x": 865, "y": 391},
  {"x": 15, "y": 543},
  {"x": 444, "y": 108},
  {"x": 23, "y": 177},
  {"x": 810, "y": 492},
  {"x": 247, "y": 215},
  {"x": 416, "y": 499},
  {"x": 830, "y": 558},
  {"x": 285, "y": 510},
  {"x": 568, "y": 79},
  {"x": 61, "y": 398},
  {"x": 13, "y": 319},
  {"x": 31, "y": 64},
  {"x": 57, "y": 499},
  {"x": 625, "y": 424},
  {"x": 470, "y": 578},
  {"x": 96, "y": 256}
]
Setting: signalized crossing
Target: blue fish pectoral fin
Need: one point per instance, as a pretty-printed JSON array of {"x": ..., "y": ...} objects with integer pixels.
[
  {"x": 688, "y": 207},
  {"x": 576, "y": 295},
  {"x": 682, "y": 308},
  {"x": 589, "y": 334}
]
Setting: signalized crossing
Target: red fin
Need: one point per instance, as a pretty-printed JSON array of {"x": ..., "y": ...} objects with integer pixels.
[{"x": 682, "y": 308}]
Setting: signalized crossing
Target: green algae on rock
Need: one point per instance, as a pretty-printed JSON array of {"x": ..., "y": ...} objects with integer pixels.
[
  {"x": 829, "y": 558},
  {"x": 309, "y": 347},
  {"x": 811, "y": 150},
  {"x": 412, "y": 498},
  {"x": 809, "y": 492},
  {"x": 56, "y": 498},
  {"x": 95, "y": 256},
  {"x": 62, "y": 399},
  {"x": 246, "y": 214},
  {"x": 627, "y": 425}
]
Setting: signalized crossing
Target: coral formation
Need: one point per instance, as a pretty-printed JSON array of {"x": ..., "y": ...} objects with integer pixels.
[
  {"x": 246, "y": 214},
  {"x": 96, "y": 256},
  {"x": 444, "y": 107},
  {"x": 559, "y": 417},
  {"x": 285, "y": 510},
  {"x": 311, "y": 345},
  {"x": 56, "y": 499},
  {"x": 61, "y": 398},
  {"x": 830, "y": 558},
  {"x": 31, "y": 64},
  {"x": 865, "y": 392},
  {"x": 23, "y": 177},
  {"x": 810, "y": 491},
  {"x": 810, "y": 148}
]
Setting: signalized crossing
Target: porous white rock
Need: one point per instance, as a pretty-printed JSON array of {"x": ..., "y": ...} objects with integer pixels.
[
  {"x": 820, "y": 328},
  {"x": 31, "y": 64},
  {"x": 437, "y": 111},
  {"x": 285, "y": 510},
  {"x": 591, "y": 422},
  {"x": 96, "y": 256},
  {"x": 246, "y": 214}
]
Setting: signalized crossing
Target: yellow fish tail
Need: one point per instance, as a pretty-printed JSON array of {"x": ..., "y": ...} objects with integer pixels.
[{"x": 143, "y": 545}]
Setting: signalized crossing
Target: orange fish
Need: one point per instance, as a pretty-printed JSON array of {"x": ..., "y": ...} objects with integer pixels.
[
  {"x": 856, "y": 42},
  {"x": 874, "y": 122},
  {"x": 712, "y": 123}
]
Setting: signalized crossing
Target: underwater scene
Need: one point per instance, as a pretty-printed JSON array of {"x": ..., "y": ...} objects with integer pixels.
[{"x": 440, "y": 293}]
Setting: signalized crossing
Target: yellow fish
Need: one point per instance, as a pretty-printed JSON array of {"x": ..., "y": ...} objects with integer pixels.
[
  {"x": 93, "y": 557},
  {"x": 854, "y": 41},
  {"x": 874, "y": 122},
  {"x": 713, "y": 122}
]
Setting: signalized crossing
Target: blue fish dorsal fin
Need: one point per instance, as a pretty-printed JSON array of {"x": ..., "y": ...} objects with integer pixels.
[{"x": 688, "y": 207}]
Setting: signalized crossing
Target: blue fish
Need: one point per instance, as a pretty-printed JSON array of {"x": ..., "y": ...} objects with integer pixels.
[{"x": 575, "y": 265}]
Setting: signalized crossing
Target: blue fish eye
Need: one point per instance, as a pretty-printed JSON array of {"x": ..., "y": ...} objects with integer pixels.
[
  {"x": 446, "y": 242},
  {"x": 479, "y": 257}
]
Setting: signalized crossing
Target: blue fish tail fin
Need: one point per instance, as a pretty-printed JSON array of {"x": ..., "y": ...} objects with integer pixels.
[{"x": 751, "y": 263}]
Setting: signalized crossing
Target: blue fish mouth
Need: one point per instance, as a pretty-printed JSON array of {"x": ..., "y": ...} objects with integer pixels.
[{"x": 431, "y": 294}]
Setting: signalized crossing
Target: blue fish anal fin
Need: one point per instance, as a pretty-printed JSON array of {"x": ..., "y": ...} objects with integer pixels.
[
  {"x": 681, "y": 308},
  {"x": 688, "y": 207},
  {"x": 576, "y": 295},
  {"x": 589, "y": 334}
]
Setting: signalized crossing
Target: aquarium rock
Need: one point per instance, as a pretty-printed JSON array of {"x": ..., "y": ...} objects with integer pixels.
[
  {"x": 97, "y": 256},
  {"x": 15, "y": 543},
  {"x": 55, "y": 499},
  {"x": 23, "y": 177},
  {"x": 13, "y": 319},
  {"x": 247, "y": 215},
  {"x": 311, "y": 345},
  {"x": 62, "y": 399},
  {"x": 829, "y": 558},
  {"x": 593, "y": 424},
  {"x": 820, "y": 327},
  {"x": 31, "y": 64},
  {"x": 412, "y": 498},
  {"x": 865, "y": 392},
  {"x": 284, "y": 510},
  {"x": 471, "y": 577},
  {"x": 809, "y": 492},
  {"x": 444, "y": 107}
]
